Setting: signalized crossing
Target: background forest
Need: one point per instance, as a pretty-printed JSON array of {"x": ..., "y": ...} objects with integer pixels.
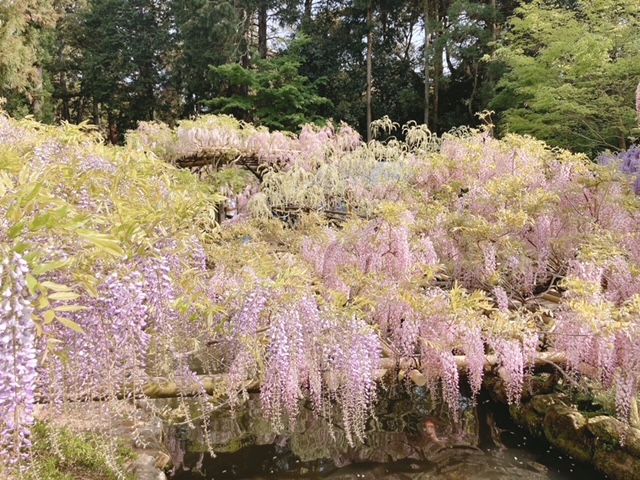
[{"x": 564, "y": 71}]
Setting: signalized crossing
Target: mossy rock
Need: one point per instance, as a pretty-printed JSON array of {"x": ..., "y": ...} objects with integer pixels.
[
  {"x": 607, "y": 430},
  {"x": 525, "y": 416},
  {"x": 531, "y": 415},
  {"x": 617, "y": 464},
  {"x": 567, "y": 430},
  {"x": 542, "y": 403}
]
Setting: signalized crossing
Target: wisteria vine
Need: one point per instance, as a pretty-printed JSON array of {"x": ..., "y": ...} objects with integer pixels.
[{"x": 348, "y": 263}]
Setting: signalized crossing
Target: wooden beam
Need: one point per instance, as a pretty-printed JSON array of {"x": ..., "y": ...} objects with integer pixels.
[{"x": 162, "y": 387}]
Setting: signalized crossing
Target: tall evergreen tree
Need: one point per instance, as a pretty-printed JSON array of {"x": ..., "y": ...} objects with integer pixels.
[
  {"x": 70, "y": 101},
  {"x": 26, "y": 27},
  {"x": 208, "y": 32},
  {"x": 124, "y": 61},
  {"x": 277, "y": 95}
]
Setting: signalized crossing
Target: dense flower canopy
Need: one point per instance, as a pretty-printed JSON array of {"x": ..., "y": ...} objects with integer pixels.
[{"x": 345, "y": 254}]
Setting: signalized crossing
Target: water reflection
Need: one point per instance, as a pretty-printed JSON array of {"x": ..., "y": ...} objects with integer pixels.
[
  {"x": 408, "y": 440},
  {"x": 457, "y": 463}
]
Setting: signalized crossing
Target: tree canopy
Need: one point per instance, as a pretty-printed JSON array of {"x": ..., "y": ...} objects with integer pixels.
[
  {"x": 562, "y": 71},
  {"x": 572, "y": 73}
]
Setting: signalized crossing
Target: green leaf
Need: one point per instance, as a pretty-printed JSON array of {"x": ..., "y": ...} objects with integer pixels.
[
  {"x": 56, "y": 287},
  {"x": 15, "y": 213},
  {"x": 21, "y": 248},
  {"x": 70, "y": 324},
  {"x": 106, "y": 243},
  {"x": 63, "y": 296},
  {"x": 76, "y": 222},
  {"x": 39, "y": 222},
  {"x": 47, "y": 267},
  {"x": 16, "y": 229},
  {"x": 31, "y": 282},
  {"x": 69, "y": 308},
  {"x": 88, "y": 281},
  {"x": 31, "y": 195},
  {"x": 61, "y": 212},
  {"x": 49, "y": 316}
]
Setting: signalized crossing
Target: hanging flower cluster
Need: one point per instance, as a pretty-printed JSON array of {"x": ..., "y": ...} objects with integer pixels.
[
  {"x": 18, "y": 361},
  {"x": 430, "y": 250},
  {"x": 297, "y": 348},
  {"x": 100, "y": 256}
]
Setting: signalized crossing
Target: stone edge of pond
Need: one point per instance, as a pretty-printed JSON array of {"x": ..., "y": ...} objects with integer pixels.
[
  {"x": 602, "y": 441},
  {"x": 606, "y": 443},
  {"x": 145, "y": 467},
  {"x": 152, "y": 459}
]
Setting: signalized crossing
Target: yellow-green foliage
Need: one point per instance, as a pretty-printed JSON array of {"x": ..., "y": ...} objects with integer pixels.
[
  {"x": 69, "y": 202},
  {"x": 431, "y": 246},
  {"x": 60, "y": 454}
]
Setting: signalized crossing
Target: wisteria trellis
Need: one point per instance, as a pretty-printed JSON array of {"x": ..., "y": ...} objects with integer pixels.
[{"x": 111, "y": 257}]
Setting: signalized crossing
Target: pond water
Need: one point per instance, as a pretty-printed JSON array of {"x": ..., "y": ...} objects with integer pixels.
[
  {"x": 408, "y": 442},
  {"x": 534, "y": 462}
]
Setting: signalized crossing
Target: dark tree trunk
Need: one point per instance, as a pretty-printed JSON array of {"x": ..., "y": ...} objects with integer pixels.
[
  {"x": 369, "y": 68},
  {"x": 66, "y": 110},
  {"x": 427, "y": 67},
  {"x": 308, "y": 6},
  {"x": 472, "y": 98},
  {"x": 244, "y": 48},
  {"x": 36, "y": 101},
  {"x": 494, "y": 21},
  {"x": 246, "y": 38},
  {"x": 437, "y": 65},
  {"x": 112, "y": 128},
  {"x": 80, "y": 104},
  {"x": 96, "y": 112},
  {"x": 262, "y": 30},
  {"x": 622, "y": 141}
]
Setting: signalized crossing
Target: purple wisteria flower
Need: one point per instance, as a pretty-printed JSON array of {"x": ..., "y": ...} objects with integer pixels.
[
  {"x": 628, "y": 161},
  {"x": 638, "y": 102},
  {"x": 17, "y": 360}
]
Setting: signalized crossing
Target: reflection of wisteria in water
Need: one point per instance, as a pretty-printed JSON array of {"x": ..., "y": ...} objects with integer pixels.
[
  {"x": 409, "y": 440},
  {"x": 457, "y": 463},
  {"x": 175, "y": 442}
]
